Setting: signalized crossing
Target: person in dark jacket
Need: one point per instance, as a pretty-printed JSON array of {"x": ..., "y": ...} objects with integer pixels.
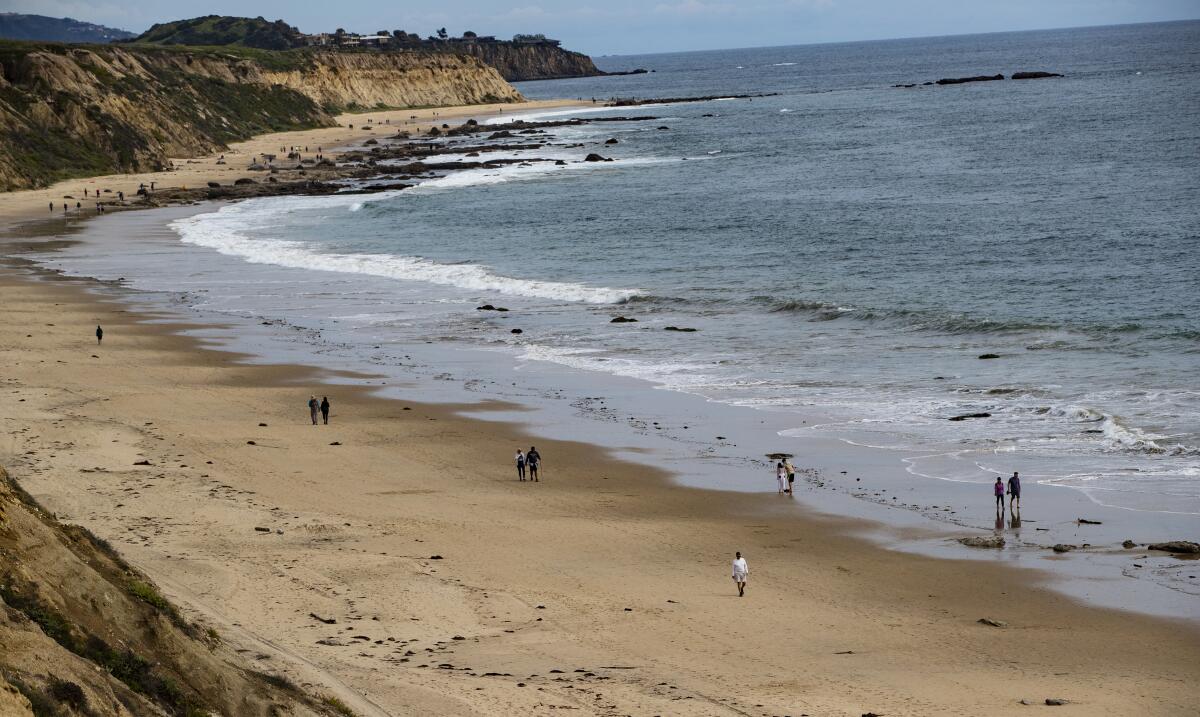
[
  {"x": 99, "y": 334},
  {"x": 533, "y": 461},
  {"x": 325, "y": 409}
]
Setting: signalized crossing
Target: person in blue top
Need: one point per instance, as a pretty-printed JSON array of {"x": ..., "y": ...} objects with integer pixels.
[{"x": 1014, "y": 492}]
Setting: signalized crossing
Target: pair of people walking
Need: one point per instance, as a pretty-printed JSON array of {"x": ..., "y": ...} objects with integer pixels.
[
  {"x": 1014, "y": 493},
  {"x": 530, "y": 462},
  {"x": 321, "y": 407},
  {"x": 785, "y": 473}
]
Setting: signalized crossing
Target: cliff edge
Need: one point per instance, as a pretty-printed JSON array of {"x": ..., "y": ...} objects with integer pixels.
[
  {"x": 84, "y": 633},
  {"x": 68, "y": 111}
]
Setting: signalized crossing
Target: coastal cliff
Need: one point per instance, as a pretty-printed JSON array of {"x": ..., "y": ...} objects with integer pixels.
[
  {"x": 85, "y": 633},
  {"x": 84, "y": 110},
  {"x": 516, "y": 62}
]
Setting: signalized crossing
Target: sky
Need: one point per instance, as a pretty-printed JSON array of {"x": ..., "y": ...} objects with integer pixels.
[{"x": 610, "y": 27}]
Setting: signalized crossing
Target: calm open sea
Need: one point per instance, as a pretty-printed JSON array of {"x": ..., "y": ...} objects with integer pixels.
[{"x": 844, "y": 249}]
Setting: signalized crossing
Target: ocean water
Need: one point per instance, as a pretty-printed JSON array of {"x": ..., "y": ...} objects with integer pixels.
[{"x": 845, "y": 250}]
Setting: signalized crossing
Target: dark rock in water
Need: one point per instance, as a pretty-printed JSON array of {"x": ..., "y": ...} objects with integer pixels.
[
  {"x": 983, "y": 541},
  {"x": 1062, "y": 548},
  {"x": 677, "y": 328},
  {"x": 664, "y": 127},
  {"x": 985, "y": 357},
  {"x": 370, "y": 142},
  {"x": 622, "y": 320},
  {"x": 272, "y": 180},
  {"x": 244, "y": 181},
  {"x": 485, "y": 307},
  {"x": 965, "y": 416},
  {"x": 593, "y": 157},
  {"x": 214, "y": 184},
  {"x": 472, "y": 123},
  {"x": 708, "y": 115},
  {"x": 1176, "y": 546},
  {"x": 612, "y": 140},
  {"x": 560, "y": 163},
  {"x": 434, "y": 132},
  {"x": 961, "y": 80},
  {"x": 1033, "y": 75},
  {"x": 517, "y": 331},
  {"x": 472, "y": 154},
  {"x": 1129, "y": 545},
  {"x": 502, "y": 134},
  {"x": 924, "y": 84},
  {"x": 908, "y": 85},
  {"x": 1085, "y": 521}
]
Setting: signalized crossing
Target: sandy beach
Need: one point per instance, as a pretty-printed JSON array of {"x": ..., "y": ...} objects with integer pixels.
[
  {"x": 393, "y": 559},
  {"x": 225, "y": 167},
  {"x": 455, "y": 589}
]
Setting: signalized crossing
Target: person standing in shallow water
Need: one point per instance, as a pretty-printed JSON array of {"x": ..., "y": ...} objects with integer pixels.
[
  {"x": 520, "y": 465},
  {"x": 791, "y": 473},
  {"x": 998, "y": 489},
  {"x": 781, "y": 477},
  {"x": 1014, "y": 492},
  {"x": 533, "y": 461},
  {"x": 99, "y": 334},
  {"x": 741, "y": 573},
  {"x": 313, "y": 408},
  {"x": 325, "y": 409}
]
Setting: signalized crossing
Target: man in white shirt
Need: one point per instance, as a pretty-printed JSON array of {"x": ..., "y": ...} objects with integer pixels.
[{"x": 741, "y": 571}]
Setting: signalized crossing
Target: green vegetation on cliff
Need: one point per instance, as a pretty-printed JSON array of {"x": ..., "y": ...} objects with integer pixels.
[
  {"x": 69, "y": 111},
  {"x": 224, "y": 30}
]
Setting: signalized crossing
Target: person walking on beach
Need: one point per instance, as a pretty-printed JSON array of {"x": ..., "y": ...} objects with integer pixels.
[
  {"x": 791, "y": 473},
  {"x": 741, "y": 572},
  {"x": 99, "y": 334},
  {"x": 1014, "y": 492},
  {"x": 313, "y": 408},
  {"x": 998, "y": 489},
  {"x": 781, "y": 477},
  {"x": 520, "y": 465},
  {"x": 325, "y": 409},
  {"x": 533, "y": 461}
]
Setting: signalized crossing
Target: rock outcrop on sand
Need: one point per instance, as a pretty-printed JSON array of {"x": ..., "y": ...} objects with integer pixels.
[
  {"x": 963, "y": 80},
  {"x": 983, "y": 541},
  {"x": 85, "y": 633},
  {"x": 84, "y": 110},
  {"x": 1176, "y": 546}
]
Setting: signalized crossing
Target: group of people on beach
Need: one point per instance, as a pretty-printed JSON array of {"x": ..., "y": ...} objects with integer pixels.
[
  {"x": 321, "y": 407},
  {"x": 530, "y": 462}
]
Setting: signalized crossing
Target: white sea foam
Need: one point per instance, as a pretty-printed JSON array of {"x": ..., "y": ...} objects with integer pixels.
[
  {"x": 235, "y": 231},
  {"x": 548, "y": 114}
]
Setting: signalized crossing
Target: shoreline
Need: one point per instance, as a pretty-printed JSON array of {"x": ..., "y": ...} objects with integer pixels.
[
  {"x": 602, "y": 535},
  {"x": 896, "y": 511}
]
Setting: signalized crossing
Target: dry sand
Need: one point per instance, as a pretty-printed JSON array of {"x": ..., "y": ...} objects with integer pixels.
[{"x": 602, "y": 590}]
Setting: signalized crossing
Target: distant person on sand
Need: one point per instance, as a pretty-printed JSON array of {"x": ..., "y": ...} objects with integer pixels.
[
  {"x": 325, "y": 409},
  {"x": 1014, "y": 492},
  {"x": 99, "y": 334},
  {"x": 741, "y": 572},
  {"x": 781, "y": 476},
  {"x": 533, "y": 461},
  {"x": 520, "y": 465},
  {"x": 791, "y": 473},
  {"x": 998, "y": 489},
  {"x": 313, "y": 408}
]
